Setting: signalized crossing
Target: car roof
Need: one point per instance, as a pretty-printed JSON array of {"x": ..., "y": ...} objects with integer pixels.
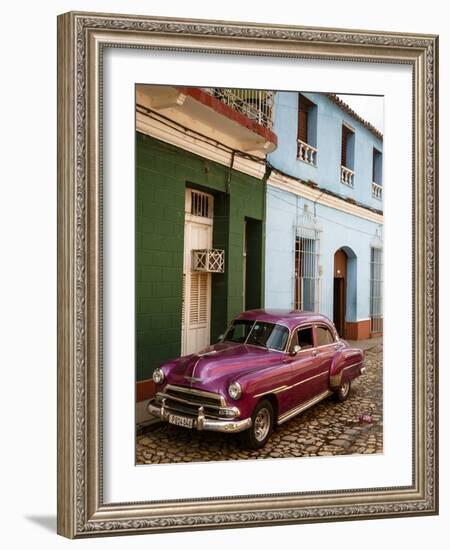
[{"x": 287, "y": 317}]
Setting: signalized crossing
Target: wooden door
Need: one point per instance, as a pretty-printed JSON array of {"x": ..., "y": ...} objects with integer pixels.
[
  {"x": 339, "y": 290},
  {"x": 196, "y": 312}
]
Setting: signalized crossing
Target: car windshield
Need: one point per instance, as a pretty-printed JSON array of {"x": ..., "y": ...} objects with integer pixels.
[{"x": 256, "y": 333}]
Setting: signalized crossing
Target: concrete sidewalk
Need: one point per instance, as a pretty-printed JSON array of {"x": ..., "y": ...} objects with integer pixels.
[
  {"x": 143, "y": 419},
  {"x": 366, "y": 344}
]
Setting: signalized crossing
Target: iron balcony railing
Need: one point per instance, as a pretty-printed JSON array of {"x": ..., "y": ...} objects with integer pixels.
[{"x": 255, "y": 104}]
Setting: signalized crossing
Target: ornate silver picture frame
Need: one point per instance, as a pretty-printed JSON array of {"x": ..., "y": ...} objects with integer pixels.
[{"x": 82, "y": 509}]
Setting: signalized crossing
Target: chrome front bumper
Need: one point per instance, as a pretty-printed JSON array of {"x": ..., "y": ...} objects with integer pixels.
[{"x": 200, "y": 422}]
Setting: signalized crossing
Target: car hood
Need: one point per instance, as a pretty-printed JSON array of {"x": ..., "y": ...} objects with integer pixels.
[{"x": 219, "y": 364}]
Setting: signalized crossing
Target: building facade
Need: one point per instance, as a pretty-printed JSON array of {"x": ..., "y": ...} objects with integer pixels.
[
  {"x": 200, "y": 208},
  {"x": 324, "y": 215},
  {"x": 248, "y": 199}
]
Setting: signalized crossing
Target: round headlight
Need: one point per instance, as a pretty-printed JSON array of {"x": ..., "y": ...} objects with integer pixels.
[
  {"x": 158, "y": 376},
  {"x": 234, "y": 390}
]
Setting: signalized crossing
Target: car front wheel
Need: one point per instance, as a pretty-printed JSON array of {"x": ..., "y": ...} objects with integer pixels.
[
  {"x": 343, "y": 391},
  {"x": 262, "y": 425}
]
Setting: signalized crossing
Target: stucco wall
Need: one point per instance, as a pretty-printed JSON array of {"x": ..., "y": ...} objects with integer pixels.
[
  {"x": 329, "y": 128},
  {"x": 338, "y": 230},
  {"x": 162, "y": 174}
]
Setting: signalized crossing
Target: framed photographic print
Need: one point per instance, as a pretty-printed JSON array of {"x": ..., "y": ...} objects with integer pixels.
[{"x": 247, "y": 274}]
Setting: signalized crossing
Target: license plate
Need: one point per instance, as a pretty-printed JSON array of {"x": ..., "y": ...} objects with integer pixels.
[{"x": 181, "y": 421}]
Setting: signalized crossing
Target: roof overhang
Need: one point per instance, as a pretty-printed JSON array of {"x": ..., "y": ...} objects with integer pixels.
[{"x": 196, "y": 110}]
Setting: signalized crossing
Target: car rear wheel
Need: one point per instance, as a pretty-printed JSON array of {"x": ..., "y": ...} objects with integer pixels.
[
  {"x": 262, "y": 426},
  {"x": 343, "y": 391}
]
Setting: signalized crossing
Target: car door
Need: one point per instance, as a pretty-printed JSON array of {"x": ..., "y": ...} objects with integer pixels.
[
  {"x": 306, "y": 375},
  {"x": 326, "y": 347}
]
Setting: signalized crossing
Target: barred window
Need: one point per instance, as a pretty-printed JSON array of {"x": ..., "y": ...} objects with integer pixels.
[
  {"x": 200, "y": 204},
  {"x": 376, "y": 290},
  {"x": 306, "y": 275}
]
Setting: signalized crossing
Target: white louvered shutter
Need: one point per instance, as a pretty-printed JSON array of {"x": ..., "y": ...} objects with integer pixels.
[{"x": 198, "y": 306}]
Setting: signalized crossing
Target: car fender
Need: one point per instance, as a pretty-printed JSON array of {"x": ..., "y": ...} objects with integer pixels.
[
  {"x": 346, "y": 366},
  {"x": 254, "y": 387}
]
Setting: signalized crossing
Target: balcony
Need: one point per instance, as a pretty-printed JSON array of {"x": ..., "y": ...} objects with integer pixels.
[
  {"x": 347, "y": 176},
  {"x": 306, "y": 153},
  {"x": 377, "y": 191},
  {"x": 257, "y": 105},
  {"x": 238, "y": 119}
]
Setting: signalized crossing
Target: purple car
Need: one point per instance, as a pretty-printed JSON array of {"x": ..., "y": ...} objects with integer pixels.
[{"x": 268, "y": 367}]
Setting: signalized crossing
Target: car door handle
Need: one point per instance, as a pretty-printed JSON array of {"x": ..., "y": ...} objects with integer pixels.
[{"x": 314, "y": 352}]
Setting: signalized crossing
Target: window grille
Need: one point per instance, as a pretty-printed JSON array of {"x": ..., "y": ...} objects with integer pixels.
[
  {"x": 376, "y": 290},
  {"x": 211, "y": 260},
  {"x": 306, "y": 274},
  {"x": 199, "y": 204}
]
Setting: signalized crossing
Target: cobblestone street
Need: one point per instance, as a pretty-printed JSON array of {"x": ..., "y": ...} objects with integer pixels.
[{"x": 328, "y": 428}]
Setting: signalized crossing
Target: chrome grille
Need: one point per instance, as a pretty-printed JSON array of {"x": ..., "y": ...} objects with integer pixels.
[
  {"x": 188, "y": 401},
  {"x": 190, "y": 410},
  {"x": 195, "y": 396}
]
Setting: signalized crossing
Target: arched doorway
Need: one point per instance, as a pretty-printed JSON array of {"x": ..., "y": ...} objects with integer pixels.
[
  {"x": 344, "y": 289},
  {"x": 339, "y": 290}
]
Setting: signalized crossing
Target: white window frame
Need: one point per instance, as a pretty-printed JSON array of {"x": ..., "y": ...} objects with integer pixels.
[{"x": 376, "y": 289}]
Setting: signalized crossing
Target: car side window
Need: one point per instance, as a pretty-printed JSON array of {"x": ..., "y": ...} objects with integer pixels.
[
  {"x": 324, "y": 336},
  {"x": 294, "y": 341},
  {"x": 305, "y": 338}
]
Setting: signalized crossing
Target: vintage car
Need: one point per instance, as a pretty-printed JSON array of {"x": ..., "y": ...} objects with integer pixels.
[{"x": 268, "y": 367}]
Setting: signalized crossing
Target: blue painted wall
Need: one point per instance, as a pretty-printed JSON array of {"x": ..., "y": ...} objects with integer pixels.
[
  {"x": 328, "y": 143},
  {"x": 338, "y": 230},
  {"x": 352, "y": 233}
]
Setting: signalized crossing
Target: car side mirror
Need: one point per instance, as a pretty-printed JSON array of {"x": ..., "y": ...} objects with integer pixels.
[{"x": 295, "y": 350}]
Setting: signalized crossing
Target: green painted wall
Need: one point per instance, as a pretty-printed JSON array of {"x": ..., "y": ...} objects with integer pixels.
[{"x": 162, "y": 174}]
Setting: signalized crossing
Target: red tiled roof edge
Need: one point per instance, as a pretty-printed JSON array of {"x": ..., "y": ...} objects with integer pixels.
[{"x": 340, "y": 103}]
